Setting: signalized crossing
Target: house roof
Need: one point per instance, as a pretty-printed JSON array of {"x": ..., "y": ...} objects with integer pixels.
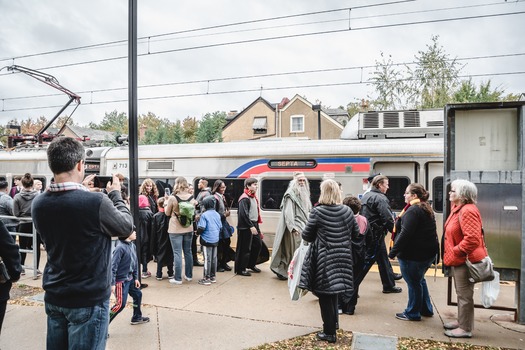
[
  {"x": 260, "y": 99},
  {"x": 331, "y": 117}
]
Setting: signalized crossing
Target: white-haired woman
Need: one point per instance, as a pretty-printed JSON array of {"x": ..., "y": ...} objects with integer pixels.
[
  {"x": 327, "y": 268},
  {"x": 463, "y": 239}
]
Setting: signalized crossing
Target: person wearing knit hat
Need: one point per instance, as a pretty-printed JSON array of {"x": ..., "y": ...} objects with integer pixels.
[{"x": 295, "y": 208}]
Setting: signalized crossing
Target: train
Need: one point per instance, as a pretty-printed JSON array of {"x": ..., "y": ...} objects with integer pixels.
[{"x": 406, "y": 146}]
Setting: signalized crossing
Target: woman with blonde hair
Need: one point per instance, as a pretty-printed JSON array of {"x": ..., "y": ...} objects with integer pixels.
[
  {"x": 149, "y": 189},
  {"x": 463, "y": 239},
  {"x": 327, "y": 268}
]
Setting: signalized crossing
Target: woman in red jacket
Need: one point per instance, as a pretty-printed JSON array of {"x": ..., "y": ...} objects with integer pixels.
[{"x": 463, "y": 238}]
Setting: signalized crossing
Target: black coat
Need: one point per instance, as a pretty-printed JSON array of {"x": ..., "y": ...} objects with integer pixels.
[
  {"x": 11, "y": 257},
  {"x": 161, "y": 240},
  {"x": 416, "y": 239},
  {"x": 377, "y": 211},
  {"x": 327, "y": 267},
  {"x": 144, "y": 234}
]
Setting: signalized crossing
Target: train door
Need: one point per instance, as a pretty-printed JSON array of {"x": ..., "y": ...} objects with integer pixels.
[
  {"x": 400, "y": 175},
  {"x": 434, "y": 185}
]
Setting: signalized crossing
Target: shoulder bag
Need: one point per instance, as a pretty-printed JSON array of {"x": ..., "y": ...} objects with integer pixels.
[{"x": 482, "y": 270}]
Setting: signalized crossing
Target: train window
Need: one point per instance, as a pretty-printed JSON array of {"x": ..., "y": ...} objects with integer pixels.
[
  {"x": 396, "y": 191},
  {"x": 272, "y": 192},
  {"x": 437, "y": 194},
  {"x": 234, "y": 189}
]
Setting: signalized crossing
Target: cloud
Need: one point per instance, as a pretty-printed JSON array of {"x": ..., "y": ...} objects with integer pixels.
[{"x": 32, "y": 26}]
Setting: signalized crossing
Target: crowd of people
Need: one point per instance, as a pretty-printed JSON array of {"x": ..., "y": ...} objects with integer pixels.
[{"x": 346, "y": 236}]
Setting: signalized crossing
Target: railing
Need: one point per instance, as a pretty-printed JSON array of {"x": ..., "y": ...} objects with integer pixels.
[{"x": 35, "y": 241}]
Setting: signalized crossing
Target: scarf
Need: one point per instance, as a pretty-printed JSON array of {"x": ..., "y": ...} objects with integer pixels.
[
  {"x": 248, "y": 193},
  {"x": 394, "y": 231}
]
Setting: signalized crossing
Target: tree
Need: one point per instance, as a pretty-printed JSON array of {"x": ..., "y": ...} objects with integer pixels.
[
  {"x": 435, "y": 77},
  {"x": 432, "y": 83},
  {"x": 388, "y": 83},
  {"x": 468, "y": 92},
  {"x": 178, "y": 133},
  {"x": 113, "y": 121},
  {"x": 210, "y": 127},
  {"x": 60, "y": 121},
  {"x": 189, "y": 127}
]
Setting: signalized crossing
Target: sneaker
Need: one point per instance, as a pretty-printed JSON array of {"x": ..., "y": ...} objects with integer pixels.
[
  {"x": 188, "y": 278},
  {"x": 393, "y": 290},
  {"x": 171, "y": 276},
  {"x": 159, "y": 278},
  {"x": 146, "y": 274},
  {"x": 404, "y": 317},
  {"x": 204, "y": 282},
  {"x": 38, "y": 273},
  {"x": 213, "y": 280},
  {"x": 23, "y": 273},
  {"x": 140, "y": 320},
  {"x": 174, "y": 281}
]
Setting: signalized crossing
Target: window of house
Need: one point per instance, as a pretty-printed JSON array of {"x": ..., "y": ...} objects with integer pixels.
[
  {"x": 297, "y": 123},
  {"x": 260, "y": 125}
]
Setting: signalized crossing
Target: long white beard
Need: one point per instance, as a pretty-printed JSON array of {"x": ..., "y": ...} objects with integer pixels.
[{"x": 304, "y": 195}]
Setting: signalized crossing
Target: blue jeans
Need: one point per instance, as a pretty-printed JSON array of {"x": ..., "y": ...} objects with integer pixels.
[
  {"x": 182, "y": 242},
  {"x": 418, "y": 297},
  {"x": 77, "y": 328}
]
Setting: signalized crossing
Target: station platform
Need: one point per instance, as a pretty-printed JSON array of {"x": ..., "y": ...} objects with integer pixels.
[{"x": 242, "y": 312}]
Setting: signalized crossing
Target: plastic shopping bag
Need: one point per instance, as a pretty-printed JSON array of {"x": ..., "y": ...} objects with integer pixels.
[
  {"x": 490, "y": 291},
  {"x": 294, "y": 272}
]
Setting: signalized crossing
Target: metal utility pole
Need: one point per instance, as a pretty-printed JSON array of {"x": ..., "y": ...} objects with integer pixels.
[{"x": 133, "y": 117}]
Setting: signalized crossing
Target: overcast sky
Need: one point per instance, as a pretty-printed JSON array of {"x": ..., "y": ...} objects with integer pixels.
[{"x": 196, "y": 70}]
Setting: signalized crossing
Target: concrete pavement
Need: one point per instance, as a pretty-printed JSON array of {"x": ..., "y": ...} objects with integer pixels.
[{"x": 241, "y": 312}]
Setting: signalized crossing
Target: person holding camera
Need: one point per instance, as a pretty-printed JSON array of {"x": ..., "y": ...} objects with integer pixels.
[{"x": 76, "y": 226}]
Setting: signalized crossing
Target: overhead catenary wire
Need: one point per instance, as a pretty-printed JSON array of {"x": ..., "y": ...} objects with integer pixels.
[
  {"x": 266, "y": 75},
  {"x": 281, "y": 37},
  {"x": 255, "y": 89},
  {"x": 153, "y": 36},
  {"x": 148, "y": 37}
]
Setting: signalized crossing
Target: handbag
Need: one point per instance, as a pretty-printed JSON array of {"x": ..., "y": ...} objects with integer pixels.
[
  {"x": 294, "y": 272},
  {"x": 4, "y": 275},
  {"x": 481, "y": 271}
]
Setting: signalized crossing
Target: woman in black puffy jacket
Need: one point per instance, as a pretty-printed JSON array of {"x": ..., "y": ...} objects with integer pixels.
[{"x": 327, "y": 267}]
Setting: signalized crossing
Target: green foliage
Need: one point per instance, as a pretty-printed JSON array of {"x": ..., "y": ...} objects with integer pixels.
[
  {"x": 189, "y": 129},
  {"x": 178, "y": 133},
  {"x": 435, "y": 77},
  {"x": 389, "y": 84},
  {"x": 113, "y": 121},
  {"x": 60, "y": 121},
  {"x": 468, "y": 92},
  {"x": 210, "y": 127}
]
